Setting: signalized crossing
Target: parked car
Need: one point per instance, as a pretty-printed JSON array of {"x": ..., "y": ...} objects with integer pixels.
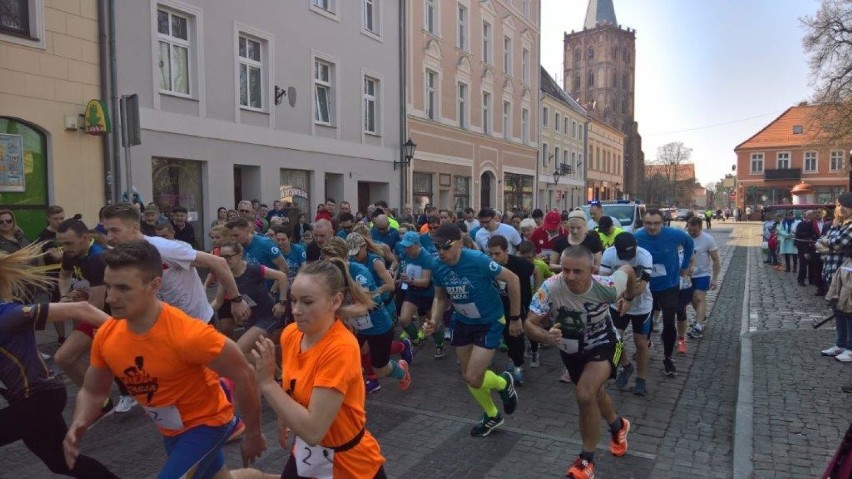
[{"x": 682, "y": 214}]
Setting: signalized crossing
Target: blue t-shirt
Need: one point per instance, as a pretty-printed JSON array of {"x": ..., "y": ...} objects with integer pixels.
[
  {"x": 379, "y": 320},
  {"x": 427, "y": 244},
  {"x": 390, "y": 237},
  {"x": 262, "y": 250},
  {"x": 370, "y": 263},
  {"x": 665, "y": 273},
  {"x": 414, "y": 268},
  {"x": 295, "y": 259},
  {"x": 469, "y": 283}
]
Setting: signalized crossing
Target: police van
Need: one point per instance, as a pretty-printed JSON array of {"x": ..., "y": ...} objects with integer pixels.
[{"x": 628, "y": 213}]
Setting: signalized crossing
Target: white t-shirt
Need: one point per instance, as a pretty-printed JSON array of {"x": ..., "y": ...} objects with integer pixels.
[
  {"x": 474, "y": 223},
  {"x": 704, "y": 244},
  {"x": 182, "y": 286},
  {"x": 504, "y": 230},
  {"x": 643, "y": 303}
]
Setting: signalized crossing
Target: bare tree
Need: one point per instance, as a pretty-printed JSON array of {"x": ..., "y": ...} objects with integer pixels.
[
  {"x": 828, "y": 42},
  {"x": 669, "y": 164}
]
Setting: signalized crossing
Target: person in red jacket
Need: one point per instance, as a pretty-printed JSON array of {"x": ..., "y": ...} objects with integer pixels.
[{"x": 545, "y": 235}]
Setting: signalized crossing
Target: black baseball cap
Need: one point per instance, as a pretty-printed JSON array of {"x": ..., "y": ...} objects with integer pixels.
[
  {"x": 625, "y": 246},
  {"x": 446, "y": 233}
]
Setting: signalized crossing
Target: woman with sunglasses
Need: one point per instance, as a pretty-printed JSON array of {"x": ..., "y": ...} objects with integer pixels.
[{"x": 11, "y": 237}]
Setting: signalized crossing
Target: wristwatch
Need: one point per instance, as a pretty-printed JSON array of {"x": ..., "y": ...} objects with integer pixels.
[
  {"x": 237, "y": 299},
  {"x": 515, "y": 318}
]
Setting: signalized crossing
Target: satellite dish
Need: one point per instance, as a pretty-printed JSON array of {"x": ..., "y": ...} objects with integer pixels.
[{"x": 291, "y": 96}]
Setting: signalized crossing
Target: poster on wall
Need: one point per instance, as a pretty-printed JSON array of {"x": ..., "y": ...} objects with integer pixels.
[{"x": 11, "y": 162}]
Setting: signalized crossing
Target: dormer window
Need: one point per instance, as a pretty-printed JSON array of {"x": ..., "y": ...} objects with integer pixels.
[{"x": 798, "y": 130}]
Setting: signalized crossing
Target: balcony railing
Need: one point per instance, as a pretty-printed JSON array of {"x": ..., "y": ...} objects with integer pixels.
[{"x": 783, "y": 174}]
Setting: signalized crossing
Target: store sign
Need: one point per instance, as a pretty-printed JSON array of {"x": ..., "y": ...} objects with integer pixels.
[
  {"x": 96, "y": 119},
  {"x": 289, "y": 191}
]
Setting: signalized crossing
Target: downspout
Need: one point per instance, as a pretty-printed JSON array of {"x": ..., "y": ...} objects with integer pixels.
[
  {"x": 113, "y": 92},
  {"x": 403, "y": 108},
  {"x": 109, "y": 174}
]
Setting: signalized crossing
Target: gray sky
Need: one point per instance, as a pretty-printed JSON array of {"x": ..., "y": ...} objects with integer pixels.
[{"x": 709, "y": 73}]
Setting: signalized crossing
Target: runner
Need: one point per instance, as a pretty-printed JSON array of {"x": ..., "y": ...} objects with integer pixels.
[
  {"x": 466, "y": 276},
  {"x": 414, "y": 282},
  {"x": 169, "y": 362},
  {"x": 706, "y": 275},
  {"x": 588, "y": 343},
  {"x": 36, "y": 398},
  {"x": 295, "y": 256},
  {"x": 368, "y": 254},
  {"x": 257, "y": 249}
]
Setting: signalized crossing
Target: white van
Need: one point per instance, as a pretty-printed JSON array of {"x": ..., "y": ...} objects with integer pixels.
[{"x": 628, "y": 213}]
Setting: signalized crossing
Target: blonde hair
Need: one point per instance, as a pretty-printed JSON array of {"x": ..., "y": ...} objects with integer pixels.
[
  {"x": 18, "y": 276},
  {"x": 221, "y": 229},
  {"x": 364, "y": 231},
  {"x": 337, "y": 279}
]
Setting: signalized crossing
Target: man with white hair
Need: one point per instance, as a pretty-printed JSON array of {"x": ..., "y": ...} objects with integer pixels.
[{"x": 322, "y": 232}]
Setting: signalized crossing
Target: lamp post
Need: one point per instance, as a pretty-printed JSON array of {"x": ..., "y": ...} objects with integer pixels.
[
  {"x": 408, "y": 149},
  {"x": 617, "y": 191},
  {"x": 561, "y": 170}
]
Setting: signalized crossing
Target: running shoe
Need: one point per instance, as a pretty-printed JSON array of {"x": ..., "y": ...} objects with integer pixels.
[
  {"x": 695, "y": 332},
  {"x": 832, "y": 351},
  {"x": 618, "y": 440},
  {"x": 669, "y": 367},
  {"x": 581, "y": 469},
  {"x": 641, "y": 389},
  {"x": 439, "y": 352},
  {"x": 845, "y": 356},
  {"x": 403, "y": 336},
  {"x": 624, "y": 376},
  {"x": 509, "y": 395},
  {"x": 486, "y": 425},
  {"x": 681, "y": 345},
  {"x": 534, "y": 360},
  {"x": 238, "y": 431},
  {"x": 125, "y": 403},
  {"x": 405, "y": 382},
  {"x": 565, "y": 377},
  {"x": 372, "y": 385},
  {"x": 407, "y": 351}
]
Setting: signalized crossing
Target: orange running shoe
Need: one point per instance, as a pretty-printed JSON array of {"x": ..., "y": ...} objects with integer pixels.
[
  {"x": 681, "y": 345},
  {"x": 405, "y": 382},
  {"x": 581, "y": 469},
  {"x": 618, "y": 442}
]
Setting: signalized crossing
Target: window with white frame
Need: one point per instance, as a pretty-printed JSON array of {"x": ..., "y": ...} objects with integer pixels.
[
  {"x": 371, "y": 16},
  {"x": 810, "y": 162},
  {"x": 173, "y": 38},
  {"x": 580, "y": 130},
  {"x": 565, "y": 126},
  {"x": 545, "y": 116},
  {"x": 507, "y": 56},
  {"x": 486, "y": 113},
  {"x": 565, "y": 157},
  {"x": 430, "y": 16},
  {"x": 16, "y": 18},
  {"x": 557, "y": 121},
  {"x": 507, "y": 120},
  {"x": 327, "y": 5},
  {"x": 462, "y": 105},
  {"x": 525, "y": 65},
  {"x": 251, "y": 72},
  {"x": 323, "y": 92},
  {"x": 545, "y": 160},
  {"x": 556, "y": 157},
  {"x": 757, "y": 163},
  {"x": 461, "y": 41},
  {"x": 573, "y": 128},
  {"x": 836, "y": 160},
  {"x": 486, "y": 42},
  {"x": 573, "y": 162},
  {"x": 431, "y": 94},
  {"x": 525, "y": 125},
  {"x": 371, "y": 110},
  {"x": 526, "y": 9},
  {"x": 783, "y": 160}
]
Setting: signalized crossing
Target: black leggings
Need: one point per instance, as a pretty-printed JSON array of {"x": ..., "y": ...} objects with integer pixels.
[
  {"x": 667, "y": 301},
  {"x": 38, "y": 421},
  {"x": 516, "y": 346}
]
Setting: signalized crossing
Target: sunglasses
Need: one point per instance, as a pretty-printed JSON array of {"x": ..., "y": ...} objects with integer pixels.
[
  {"x": 447, "y": 245},
  {"x": 6, "y": 222}
]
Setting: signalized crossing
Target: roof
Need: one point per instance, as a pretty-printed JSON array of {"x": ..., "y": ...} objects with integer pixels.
[
  {"x": 550, "y": 87},
  {"x": 600, "y": 11},
  {"x": 779, "y": 133}
]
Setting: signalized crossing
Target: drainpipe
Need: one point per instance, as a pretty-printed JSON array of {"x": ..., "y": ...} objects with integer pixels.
[
  {"x": 403, "y": 109},
  {"x": 109, "y": 174},
  {"x": 113, "y": 92}
]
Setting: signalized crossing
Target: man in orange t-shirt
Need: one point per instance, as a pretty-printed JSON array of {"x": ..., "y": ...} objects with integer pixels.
[{"x": 170, "y": 363}]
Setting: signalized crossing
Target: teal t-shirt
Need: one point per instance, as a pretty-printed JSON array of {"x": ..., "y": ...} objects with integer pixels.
[
  {"x": 377, "y": 321},
  {"x": 469, "y": 284}
]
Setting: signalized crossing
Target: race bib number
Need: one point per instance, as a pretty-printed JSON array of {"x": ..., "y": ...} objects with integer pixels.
[
  {"x": 166, "y": 417},
  {"x": 468, "y": 310},
  {"x": 569, "y": 346},
  {"x": 658, "y": 270},
  {"x": 362, "y": 323},
  {"x": 313, "y": 461}
]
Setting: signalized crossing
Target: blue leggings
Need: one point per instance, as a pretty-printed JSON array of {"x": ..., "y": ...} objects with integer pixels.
[{"x": 196, "y": 453}]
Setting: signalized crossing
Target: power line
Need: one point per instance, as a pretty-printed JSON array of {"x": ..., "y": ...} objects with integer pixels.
[{"x": 711, "y": 126}]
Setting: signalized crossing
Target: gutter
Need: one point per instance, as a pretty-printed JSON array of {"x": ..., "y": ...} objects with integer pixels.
[
  {"x": 403, "y": 108},
  {"x": 109, "y": 174},
  {"x": 113, "y": 92}
]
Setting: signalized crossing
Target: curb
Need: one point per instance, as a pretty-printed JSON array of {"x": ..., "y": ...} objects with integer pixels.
[{"x": 743, "y": 466}]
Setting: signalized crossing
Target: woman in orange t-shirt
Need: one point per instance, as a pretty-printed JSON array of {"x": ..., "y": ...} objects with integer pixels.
[{"x": 322, "y": 398}]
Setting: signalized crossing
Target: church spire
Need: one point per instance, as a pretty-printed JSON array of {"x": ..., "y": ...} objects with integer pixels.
[{"x": 600, "y": 12}]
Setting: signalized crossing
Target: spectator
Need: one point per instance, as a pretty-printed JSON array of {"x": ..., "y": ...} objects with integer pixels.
[{"x": 183, "y": 231}]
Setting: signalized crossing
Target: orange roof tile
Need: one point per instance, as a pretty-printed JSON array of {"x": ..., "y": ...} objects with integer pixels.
[{"x": 779, "y": 133}]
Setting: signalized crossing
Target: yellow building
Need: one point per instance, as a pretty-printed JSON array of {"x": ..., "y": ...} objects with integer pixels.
[{"x": 605, "y": 178}]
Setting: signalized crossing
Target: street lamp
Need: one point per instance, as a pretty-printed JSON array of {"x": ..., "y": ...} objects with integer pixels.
[
  {"x": 408, "y": 153},
  {"x": 560, "y": 171},
  {"x": 617, "y": 191}
]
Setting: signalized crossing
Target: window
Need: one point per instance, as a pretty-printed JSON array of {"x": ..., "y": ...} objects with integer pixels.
[
  {"x": 545, "y": 114},
  {"x": 173, "y": 36},
  {"x": 798, "y": 130},
  {"x": 577, "y": 55},
  {"x": 326, "y": 5},
  {"x": 580, "y": 131},
  {"x": 573, "y": 162},
  {"x": 525, "y": 65},
  {"x": 573, "y": 129},
  {"x": 757, "y": 162},
  {"x": 15, "y": 18},
  {"x": 486, "y": 42},
  {"x": 462, "y": 105},
  {"x": 590, "y": 53},
  {"x": 783, "y": 160},
  {"x": 507, "y": 118},
  {"x": 486, "y": 113},
  {"x": 371, "y": 112},
  {"x": 430, "y": 16},
  {"x": 556, "y": 156},
  {"x": 322, "y": 92},
  {"x": 371, "y": 16},
  {"x": 461, "y": 192},
  {"x": 431, "y": 95},
  {"x": 507, "y": 56},
  {"x": 526, "y": 9},
  {"x": 565, "y": 126},
  {"x": 810, "y": 161},
  {"x": 461, "y": 42},
  {"x": 557, "y": 121},
  {"x": 836, "y": 162},
  {"x": 251, "y": 72},
  {"x": 577, "y": 81},
  {"x": 525, "y": 125},
  {"x": 591, "y": 80},
  {"x": 565, "y": 157},
  {"x": 544, "y": 158}
]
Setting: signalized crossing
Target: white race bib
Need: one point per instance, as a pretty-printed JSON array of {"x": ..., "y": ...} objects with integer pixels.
[
  {"x": 313, "y": 461},
  {"x": 166, "y": 417},
  {"x": 468, "y": 310},
  {"x": 569, "y": 346},
  {"x": 658, "y": 270},
  {"x": 362, "y": 323}
]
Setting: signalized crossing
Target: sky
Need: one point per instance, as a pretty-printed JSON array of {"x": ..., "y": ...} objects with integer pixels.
[{"x": 709, "y": 74}]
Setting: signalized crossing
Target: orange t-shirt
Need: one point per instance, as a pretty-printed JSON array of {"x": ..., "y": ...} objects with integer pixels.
[
  {"x": 334, "y": 362},
  {"x": 166, "y": 369}
]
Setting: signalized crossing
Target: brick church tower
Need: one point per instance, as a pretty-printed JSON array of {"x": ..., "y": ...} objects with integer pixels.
[{"x": 600, "y": 72}]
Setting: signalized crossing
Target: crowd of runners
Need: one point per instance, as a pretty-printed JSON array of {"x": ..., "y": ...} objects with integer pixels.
[{"x": 312, "y": 316}]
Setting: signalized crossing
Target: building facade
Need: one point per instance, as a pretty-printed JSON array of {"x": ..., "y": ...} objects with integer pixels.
[
  {"x": 49, "y": 70},
  {"x": 472, "y": 102},
  {"x": 786, "y": 152},
  {"x": 562, "y": 171},
  {"x": 671, "y": 185},
  {"x": 296, "y": 101},
  {"x": 600, "y": 72},
  {"x": 605, "y": 175}
]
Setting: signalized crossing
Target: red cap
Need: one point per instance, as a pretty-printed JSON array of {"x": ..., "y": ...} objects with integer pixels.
[{"x": 551, "y": 220}]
